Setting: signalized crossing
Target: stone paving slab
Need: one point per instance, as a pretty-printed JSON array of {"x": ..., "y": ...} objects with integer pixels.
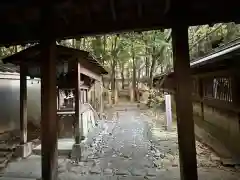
[
  {"x": 28, "y": 168},
  {"x": 73, "y": 176},
  {"x": 64, "y": 147}
]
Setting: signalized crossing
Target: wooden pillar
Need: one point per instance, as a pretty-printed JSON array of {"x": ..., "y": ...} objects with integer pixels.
[
  {"x": 184, "y": 109},
  {"x": 49, "y": 110},
  {"x": 23, "y": 104},
  {"x": 49, "y": 125},
  {"x": 77, "y": 103}
]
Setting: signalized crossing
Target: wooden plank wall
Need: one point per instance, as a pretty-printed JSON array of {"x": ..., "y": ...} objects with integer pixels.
[{"x": 216, "y": 89}]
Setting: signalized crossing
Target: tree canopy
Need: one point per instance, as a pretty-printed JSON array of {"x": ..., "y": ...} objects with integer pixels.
[{"x": 140, "y": 55}]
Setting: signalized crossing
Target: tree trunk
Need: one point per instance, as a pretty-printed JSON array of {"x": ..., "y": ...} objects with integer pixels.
[
  {"x": 134, "y": 80},
  {"x": 113, "y": 79},
  {"x": 122, "y": 77},
  {"x": 134, "y": 73},
  {"x": 114, "y": 63},
  {"x": 84, "y": 43},
  {"x": 138, "y": 81},
  {"x": 104, "y": 49},
  {"x": 73, "y": 43},
  {"x": 78, "y": 43},
  {"x": 147, "y": 66},
  {"x": 15, "y": 49},
  {"x": 147, "y": 60},
  {"x": 128, "y": 76},
  {"x": 152, "y": 68}
]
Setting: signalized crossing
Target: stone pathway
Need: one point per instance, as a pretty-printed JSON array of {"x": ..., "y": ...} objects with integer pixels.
[{"x": 133, "y": 146}]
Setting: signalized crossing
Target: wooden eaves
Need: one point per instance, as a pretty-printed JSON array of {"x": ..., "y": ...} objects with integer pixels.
[
  {"x": 218, "y": 59},
  {"x": 31, "y": 57}
]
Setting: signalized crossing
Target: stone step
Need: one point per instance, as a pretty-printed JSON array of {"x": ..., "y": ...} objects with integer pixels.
[
  {"x": 5, "y": 157},
  {"x": 16, "y": 178},
  {"x": 74, "y": 176},
  {"x": 5, "y": 136},
  {"x": 64, "y": 147},
  {"x": 7, "y": 147},
  {"x": 5, "y": 154}
]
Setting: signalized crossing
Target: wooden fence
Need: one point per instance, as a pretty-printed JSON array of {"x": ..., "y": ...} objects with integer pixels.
[{"x": 216, "y": 89}]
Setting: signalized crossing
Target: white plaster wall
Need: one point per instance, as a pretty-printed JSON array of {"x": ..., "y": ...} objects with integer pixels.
[{"x": 10, "y": 104}]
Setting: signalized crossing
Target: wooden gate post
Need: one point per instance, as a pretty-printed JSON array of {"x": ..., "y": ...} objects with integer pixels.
[
  {"x": 49, "y": 111},
  {"x": 78, "y": 124},
  {"x": 23, "y": 103},
  {"x": 25, "y": 148},
  {"x": 77, "y": 103},
  {"x": 49, "y": 128},
  {"x": 184, "y": 109}
]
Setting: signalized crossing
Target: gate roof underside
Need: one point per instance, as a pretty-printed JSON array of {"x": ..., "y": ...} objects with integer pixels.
[{"x": 21, "y": 19}]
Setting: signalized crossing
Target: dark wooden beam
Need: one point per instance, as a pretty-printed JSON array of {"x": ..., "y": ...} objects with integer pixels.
[
  {"x": 90, "y": 73},
  {"x": 77, "y": 102},
  {"x": 49, "y": 126},
  {"x": 184, "y": 109},
  {"x": 235, "y": 85},
  {"x": 23, "y": 104},
  {"x": 49, "y": 111},
  {"x": 112, "y": 5},
  {"x": 29, "y": 31}
]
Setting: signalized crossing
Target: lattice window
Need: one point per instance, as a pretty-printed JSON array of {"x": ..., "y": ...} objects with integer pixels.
[{"x": 218, "y": 88}]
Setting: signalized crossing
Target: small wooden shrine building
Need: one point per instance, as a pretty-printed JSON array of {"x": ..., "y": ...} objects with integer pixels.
[{"x": 75, "y": 71}]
